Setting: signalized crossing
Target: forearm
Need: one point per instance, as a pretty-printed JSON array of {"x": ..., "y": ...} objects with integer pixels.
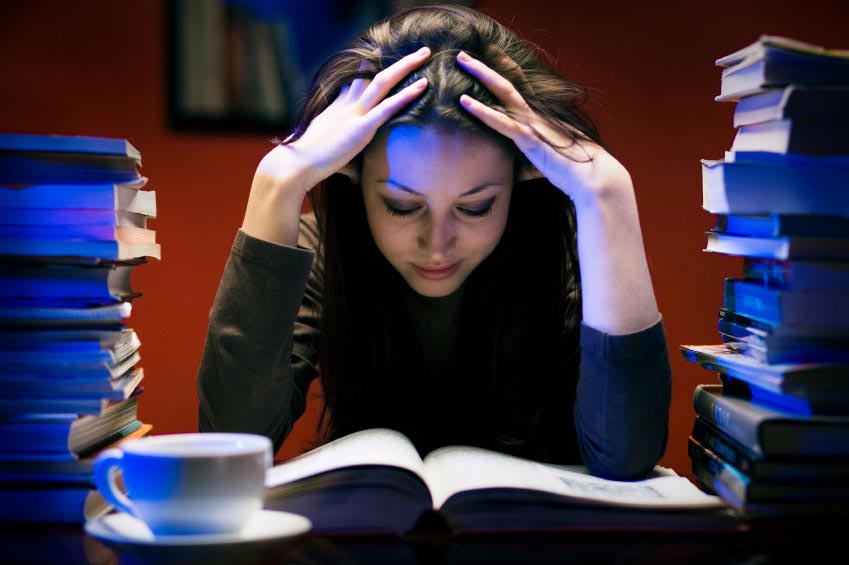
[
  {"x": 245, "y": 381},
  {"x": 616, "y": 287}
]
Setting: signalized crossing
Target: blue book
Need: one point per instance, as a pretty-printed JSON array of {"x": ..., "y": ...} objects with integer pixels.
[
  {"x": 828, "y": 276},
  {"x": 126, "y": 197},
  {"x": 772, "y": 349},
  {"x": 68, "y": 503},
  {"x": 782, "y": 186},
  {"x": 814, "y": 380},
  {"x": 777, "y": 225},
  {"x": 68, "y": 144},
  {"x": 50, "y": 284},
  {"x": 777, "y": 306}
]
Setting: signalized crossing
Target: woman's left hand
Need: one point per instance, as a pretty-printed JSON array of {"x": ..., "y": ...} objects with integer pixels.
[{"x": 577, "y": 166}]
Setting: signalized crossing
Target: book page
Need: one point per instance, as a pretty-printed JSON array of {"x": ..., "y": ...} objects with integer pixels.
[
  {"x": 368, "y": 447},
  {"x": 454, "y": 469}
]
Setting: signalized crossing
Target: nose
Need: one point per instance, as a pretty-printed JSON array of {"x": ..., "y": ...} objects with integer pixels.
[{"x": 438, "y": 238}]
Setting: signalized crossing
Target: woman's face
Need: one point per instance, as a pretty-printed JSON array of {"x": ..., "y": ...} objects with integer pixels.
[{"x": 436, "y": 202}]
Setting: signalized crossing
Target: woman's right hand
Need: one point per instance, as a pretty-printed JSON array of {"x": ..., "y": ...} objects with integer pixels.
[{"x": 330, "y": 142}]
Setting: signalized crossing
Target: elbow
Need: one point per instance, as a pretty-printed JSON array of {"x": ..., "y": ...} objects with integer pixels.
[{"x": 632, "y": 459}]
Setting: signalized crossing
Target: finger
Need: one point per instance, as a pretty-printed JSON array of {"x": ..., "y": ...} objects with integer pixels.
[
  {"x": 386, "y": 79},
  {"x": 502, "y": 88},
  {"x": 359, "y": 85},
  {"x": 521, "y": 134},
  {"x": 393, "y": 104}
]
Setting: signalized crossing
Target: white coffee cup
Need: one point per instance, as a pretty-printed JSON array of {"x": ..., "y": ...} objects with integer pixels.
[{"x": 193, "y": 483}]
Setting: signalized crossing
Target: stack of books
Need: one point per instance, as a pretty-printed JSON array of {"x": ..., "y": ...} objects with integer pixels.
[
  {"x": 73, "y": 227},
  {"x": 772, "y": 435}
]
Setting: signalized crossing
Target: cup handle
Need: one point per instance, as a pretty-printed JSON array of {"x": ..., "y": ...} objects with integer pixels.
[{"x": 106, "y": 465}]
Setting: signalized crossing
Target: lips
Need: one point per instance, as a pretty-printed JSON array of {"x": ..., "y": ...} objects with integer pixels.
[{"x": 436, "y": 273}]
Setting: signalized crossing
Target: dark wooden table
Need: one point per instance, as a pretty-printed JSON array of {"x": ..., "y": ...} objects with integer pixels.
[{"x": 798, "y": 541}]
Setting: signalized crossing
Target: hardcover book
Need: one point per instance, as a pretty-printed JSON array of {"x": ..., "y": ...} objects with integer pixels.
[
  {"x": 375, "y": 482},
  {"x": 757, "y": 468},
  {"x": 777, "y": 225},
  {"x": 813, "y": 276},
  {"x": 777, "y": 306},
  {"x": 741, "y": 490},
  {"x": 770, "y": 432}
]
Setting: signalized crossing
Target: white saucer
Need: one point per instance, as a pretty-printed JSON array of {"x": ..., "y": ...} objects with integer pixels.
[{"x": 129, "y": 534}]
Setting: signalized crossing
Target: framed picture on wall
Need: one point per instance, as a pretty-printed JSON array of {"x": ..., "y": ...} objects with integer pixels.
[{"x": 245, "y": 65}]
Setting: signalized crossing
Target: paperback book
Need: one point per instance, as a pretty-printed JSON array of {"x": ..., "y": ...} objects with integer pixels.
[
  {"x": 791, "y": 103},
  {"x": 807, "y": 381},
  {"x": 775, "y": 61}
]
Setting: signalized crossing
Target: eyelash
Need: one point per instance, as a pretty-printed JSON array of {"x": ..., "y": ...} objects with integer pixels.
[{"x": 402, "y": 213}]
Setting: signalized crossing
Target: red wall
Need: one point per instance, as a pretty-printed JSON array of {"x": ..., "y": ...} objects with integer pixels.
[{"x": 98, "y": 68}]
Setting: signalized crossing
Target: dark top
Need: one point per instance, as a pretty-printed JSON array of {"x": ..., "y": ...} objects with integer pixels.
[{"x": 260, "y": 358}]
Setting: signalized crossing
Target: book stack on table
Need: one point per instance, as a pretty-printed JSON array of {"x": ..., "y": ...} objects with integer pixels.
[
  {"x": 73, "y": 227},
  {"x": 772, "y": 435}
]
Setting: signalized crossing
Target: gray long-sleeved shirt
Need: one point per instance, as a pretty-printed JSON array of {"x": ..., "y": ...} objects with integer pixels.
[{"x": 260, "y": 358}]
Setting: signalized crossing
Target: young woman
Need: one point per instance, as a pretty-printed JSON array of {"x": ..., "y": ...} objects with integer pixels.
[{"x": 456, "y": 187}]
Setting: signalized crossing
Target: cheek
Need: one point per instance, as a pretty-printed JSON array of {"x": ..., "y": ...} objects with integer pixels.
[{"x": 390, "y": 238}]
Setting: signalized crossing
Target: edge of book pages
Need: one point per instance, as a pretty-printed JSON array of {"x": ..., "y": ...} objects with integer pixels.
[{"x": 754, "y": 51}]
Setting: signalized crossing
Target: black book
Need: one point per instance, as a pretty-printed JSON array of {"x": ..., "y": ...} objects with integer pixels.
[
  {"x": 770, "y": 432},
  {"x": 740, "y": 490},
  {"x": 755, "y": 467}
]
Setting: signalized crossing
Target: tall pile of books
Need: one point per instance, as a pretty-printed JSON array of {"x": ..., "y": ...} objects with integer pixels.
[
  {"x": 73, "y": 227},
  {"x": 771, "y": 436}
]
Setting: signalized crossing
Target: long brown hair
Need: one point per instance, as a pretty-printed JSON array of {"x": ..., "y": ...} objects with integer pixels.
[{"x": 515, "y": 366}]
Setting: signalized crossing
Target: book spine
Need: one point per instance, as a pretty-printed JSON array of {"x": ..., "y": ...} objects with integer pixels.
[
  {"x": 714, "y": 439},
  {"x": 743, "y": 426}
]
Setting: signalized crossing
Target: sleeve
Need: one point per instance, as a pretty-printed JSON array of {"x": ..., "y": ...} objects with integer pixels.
[
  {"x": 622, "y": 401},
  {"x": 259, "y": 356}
]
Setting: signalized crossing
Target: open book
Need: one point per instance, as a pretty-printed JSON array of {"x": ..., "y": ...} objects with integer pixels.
[{"x": 375, "y": 482}]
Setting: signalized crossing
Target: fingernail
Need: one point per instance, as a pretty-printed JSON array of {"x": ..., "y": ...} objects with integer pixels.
[
  {"x": 421, "y": 83},
  {"x": 423, "y": 51},
  {"x": 463, "y": 56},
  {"x": 466, "y": 100}
]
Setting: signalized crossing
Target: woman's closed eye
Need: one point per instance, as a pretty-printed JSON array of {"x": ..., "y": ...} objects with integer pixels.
[
  {"x": 478, "y": 209},
  {"x": 401, "y": 210}
]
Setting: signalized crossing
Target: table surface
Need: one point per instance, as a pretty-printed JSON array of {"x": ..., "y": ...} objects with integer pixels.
[{"x": 794, "y": 541}]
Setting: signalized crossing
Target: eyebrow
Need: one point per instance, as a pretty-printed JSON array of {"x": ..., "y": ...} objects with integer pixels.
[{"x": 469, "y": 192}]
